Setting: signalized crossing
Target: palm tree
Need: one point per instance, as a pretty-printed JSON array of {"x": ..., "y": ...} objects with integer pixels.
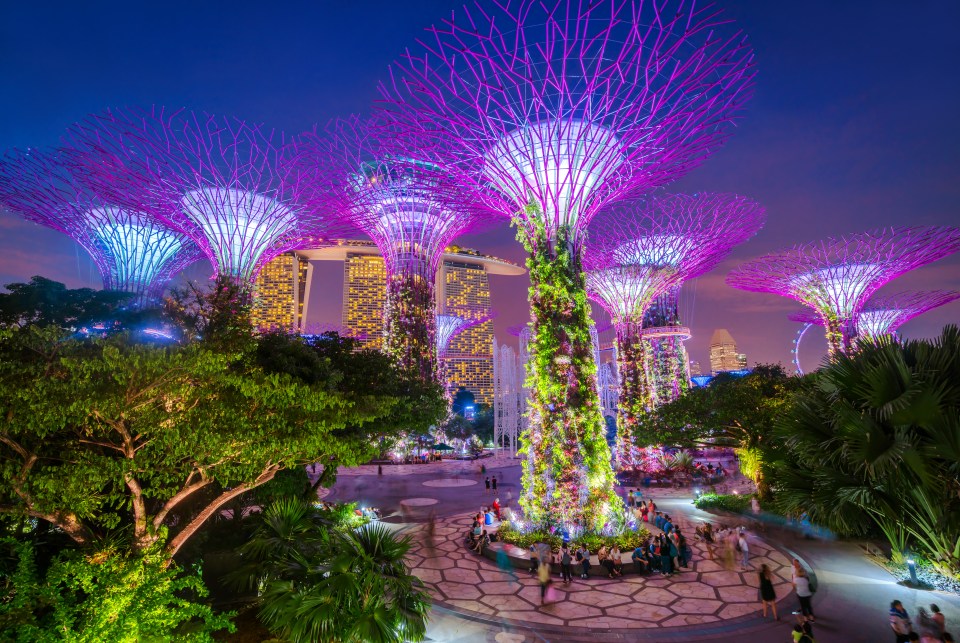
[
  {"x": 872, "y": 442},
  {"x": 327, "y": 582}
]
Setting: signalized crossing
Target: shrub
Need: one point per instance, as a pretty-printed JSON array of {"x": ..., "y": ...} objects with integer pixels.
[
  {"x": 735, "y": 503},
  {"x": 628, "y": 539}
]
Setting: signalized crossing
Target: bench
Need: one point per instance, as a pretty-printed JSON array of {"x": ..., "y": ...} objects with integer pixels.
[{"x": 520, "y": 559}]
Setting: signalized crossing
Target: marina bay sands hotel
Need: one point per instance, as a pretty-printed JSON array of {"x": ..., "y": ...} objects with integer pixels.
[{"x": 463, "y": 289}]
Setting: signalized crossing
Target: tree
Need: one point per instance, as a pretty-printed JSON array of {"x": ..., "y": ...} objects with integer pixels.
[
  {"x": 101, "y": 436},
  {"x": 732, "y": 411},
  {"x": 45, "y": 302},
  {"x": 483, "y": 423},
  {"x": 322, "y": 579},
  {"x": 872, "y": 441},
  {"x": 220, "y": 314},
  {"x": 108, "y": 595}
]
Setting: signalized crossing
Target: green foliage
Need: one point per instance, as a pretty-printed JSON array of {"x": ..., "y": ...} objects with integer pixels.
[
  {"x": 44, "y": 302},
  {"x": 627, "y": 539},
  {"x": 872, "y": 442},
  {"x": 411, "y": 325},
  {"x": 570, "y": 480},
  {"x": 105, "y": 596},
  {"x": 735, "y": 503},
  {"x": 326, "y": 581},
  {"x": 103, "y": 436},
  {"x": 219, "y": 314},
  {"x": 737, "y": 412}
]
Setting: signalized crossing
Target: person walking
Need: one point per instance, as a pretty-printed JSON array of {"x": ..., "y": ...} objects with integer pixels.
[
  {"x": 940, "y": 619},
  {"x": 493, "y": 483},
  {"x": 928, "y": 629},
  {"x": 744, "y": 548},
  {"x": 900, "y": 622},
  {"x": 768, "y": 597},
  {"x": 487, "y": 482},
  {"x": 566, "y": 575},
  {"x": 801, "y": 584},
  {"x": 543, "y": 575}
]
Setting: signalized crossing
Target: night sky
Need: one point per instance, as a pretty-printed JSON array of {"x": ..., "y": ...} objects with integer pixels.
[{"x": 854, "y": 123}]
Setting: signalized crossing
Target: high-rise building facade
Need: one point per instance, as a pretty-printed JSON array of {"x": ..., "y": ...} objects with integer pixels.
[
  {"x": 364, "y": 295},
  {"x": 462, "y": 289},
  {"x": 723, "y": 353},
  {"x": 279, "y": 293},
  {"x": 695, "y": 369}
]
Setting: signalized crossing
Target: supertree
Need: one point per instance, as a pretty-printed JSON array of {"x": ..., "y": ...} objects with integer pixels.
[
  {"x": 836, "y": 276},
  {"x": 640, "y": 251},
  {"x": 410, "y": 209},
  {"x": 558, "y": 108},
  {"x": 884, "y": 314},
  {"x": 132, "y": 250},
  {"x": 227, "y": 184}
]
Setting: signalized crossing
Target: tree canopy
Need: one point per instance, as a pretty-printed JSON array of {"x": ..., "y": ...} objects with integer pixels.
[{"x": 45, "y": 302}]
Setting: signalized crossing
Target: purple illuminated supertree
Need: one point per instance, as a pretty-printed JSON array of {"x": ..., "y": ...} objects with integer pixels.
[
  {"x": 227, "y": 184},
  {"x": 132, "y": 250},
  {"x": 640, "y": 251},
  {"x": 835, "y": 277},
  {"x": 411, "y": 211},
  {"x": 884, "y": 314},
  {"x": 558, "y": 109}
]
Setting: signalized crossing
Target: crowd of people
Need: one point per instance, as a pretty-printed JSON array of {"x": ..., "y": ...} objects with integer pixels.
[{"x": 931, "y": 627}]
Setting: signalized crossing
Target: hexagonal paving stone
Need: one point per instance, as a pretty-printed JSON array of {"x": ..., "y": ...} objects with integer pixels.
[
  {"x": 739, "y": 594},
  {"x": 511, "y": 602},
  {"x": 693, "y": 590},
  {"x": 735, "y": 611},
  {"x": 599, "y": 599},
  {"x": 719, "y": 579},
  {"x": 696, "y": 606},
  {"x": 655, "y": 595},
  {"x": 689, "y": 619},
  {"x": 437, "y": 563},
  {"x": 460, "y": 590},
  {"x": 535, "y": 617},
  {"x": 472, "y": 606},
  {"x": 458, "y": 575},
  {"x": 641, "y": 611}
]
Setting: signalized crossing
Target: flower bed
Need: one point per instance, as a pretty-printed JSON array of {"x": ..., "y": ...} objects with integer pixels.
[
  {"x": 626, "y": 540},
  {"x": 735, "y": 503}
]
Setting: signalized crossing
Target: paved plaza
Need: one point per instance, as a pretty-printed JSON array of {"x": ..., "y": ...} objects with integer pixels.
[{"x": 474, "y": 600}]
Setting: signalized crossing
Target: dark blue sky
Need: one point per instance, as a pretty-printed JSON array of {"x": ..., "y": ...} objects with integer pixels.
[{"x": 853, "y": 124}]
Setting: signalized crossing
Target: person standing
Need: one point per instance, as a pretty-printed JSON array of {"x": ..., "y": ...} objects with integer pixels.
[
  {"x": 900, "y": 622},
  {"x": 666, "y": 561},
  {"x": 630, "y": 498},
  {"x": 768, "y": 597},
  {"x": 493, "y": 483},
  {"x": 744, "y": 548},
  {"x": 487, "y": 482},
  {"x": 928, "y": 629},
  {"x": 566, "y": 575},
  {"x": 939, "y": 618},
  {"x": 801, "y": 584}
]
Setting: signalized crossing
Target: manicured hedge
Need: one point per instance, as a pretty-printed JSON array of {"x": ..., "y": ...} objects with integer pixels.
[
  {"x": 736, "y": 503},
  {"x": 628, "y": 540}
]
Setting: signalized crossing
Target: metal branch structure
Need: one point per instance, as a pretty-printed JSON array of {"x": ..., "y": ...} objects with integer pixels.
[
  {"x": 410, "y": 208},
  {"x": 640, "y": 251},
  {"x": 883, "y": 315},
  {"x": 227, "y": 184},
  {"x": 133, "y": 251},
  {"x": 836, "y": 277},
  {"x": 509, "y": 398},
  {"x": 556, "y": 109}
]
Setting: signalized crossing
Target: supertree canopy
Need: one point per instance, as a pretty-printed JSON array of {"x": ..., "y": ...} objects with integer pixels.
[
  {"x": 132, "y": 250},
  {"x": 883, "y": 315},
  {"x": 227, "y": 184},
  {"x": 837, "y": 276},
  {"x": 640, "y": 251},
  {"x": 556, "y": 109},
  {"x": 410, "y": 209}
]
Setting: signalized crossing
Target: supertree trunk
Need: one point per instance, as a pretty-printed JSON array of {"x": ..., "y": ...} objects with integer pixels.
[
  {"x": 835, "y": 339},
  {"x": 671, "y": 368},
  {"x": 636, "y": 388},
  {"x": 410, "y": 323},
  {"x": 570, "y": 480}
]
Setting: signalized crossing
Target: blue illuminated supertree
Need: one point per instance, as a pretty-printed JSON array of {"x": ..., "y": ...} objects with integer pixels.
[
  {"x": 548, "y": 112},
  {"x": 410, "y": 208},
  {"x": 836, "y": 277},
  {"x": 225, "y": 183},
  {"x": 133, "y": 251},
  {"x": 641, "y": 251}
]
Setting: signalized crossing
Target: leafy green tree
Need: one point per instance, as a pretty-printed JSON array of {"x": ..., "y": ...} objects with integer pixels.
[
  {"x": 872, "y": 441},
  {"x": 108, "y": 595},
  {"x": 219, "y": 314},
  {"x": 106, "y": 435},
  {"x": 457, "y": 427},
  {"x": 322, "y": 580},
  {"x": 483, "y": 423},
  {"x": 731, "y": 411},
  {"x": 45, "y": 302}
]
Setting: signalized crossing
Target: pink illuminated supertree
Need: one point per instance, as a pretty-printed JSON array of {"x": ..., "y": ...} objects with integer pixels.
[
  {"x": 227, "y": 184},
  {"x": 837, "y": 276},
  {"x": 133, "y": 251},
  {"x": 640, "y": 251},
  {"x": 556, "y": 109},
  {"x": 884, "y": 314},
  {"x": 410, "y": 209}
]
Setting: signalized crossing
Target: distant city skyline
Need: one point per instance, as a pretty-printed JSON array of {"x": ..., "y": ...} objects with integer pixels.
[{"x": 828, "y": 144}]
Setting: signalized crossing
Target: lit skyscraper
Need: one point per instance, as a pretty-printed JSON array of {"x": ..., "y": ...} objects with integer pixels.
[
  {"x": 723, "y": 353},
  {"x": 279, "y": 293}
]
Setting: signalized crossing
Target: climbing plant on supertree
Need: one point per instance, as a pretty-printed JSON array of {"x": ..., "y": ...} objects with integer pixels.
[{"x": 546, "y": 112}]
